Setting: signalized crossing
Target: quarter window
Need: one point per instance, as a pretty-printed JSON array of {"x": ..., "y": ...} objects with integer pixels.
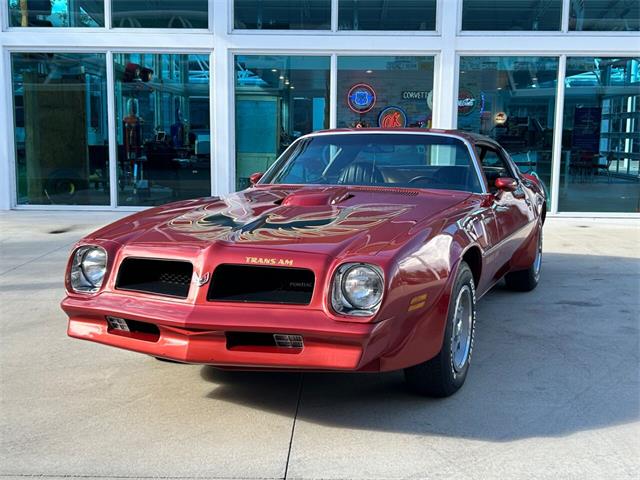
[{"x": 494, "y": 165}]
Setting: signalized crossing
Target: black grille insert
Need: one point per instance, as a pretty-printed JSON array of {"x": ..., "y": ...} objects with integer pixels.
[
  {"x": 261, "y": 284},
  {"x": 256, "y": 341},
  {"x": 147, "y": 332},
  {"x": 161, "y": 277}
]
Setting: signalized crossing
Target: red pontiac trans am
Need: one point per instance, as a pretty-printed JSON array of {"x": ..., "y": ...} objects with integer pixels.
[{"x": 358, "y": 250}]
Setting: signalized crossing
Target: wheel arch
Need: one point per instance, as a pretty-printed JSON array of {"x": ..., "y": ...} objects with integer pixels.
[{"x": 473, "y": 257}]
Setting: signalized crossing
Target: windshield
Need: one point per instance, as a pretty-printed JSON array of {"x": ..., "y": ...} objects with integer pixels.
[{"x": 381, "y": 159}]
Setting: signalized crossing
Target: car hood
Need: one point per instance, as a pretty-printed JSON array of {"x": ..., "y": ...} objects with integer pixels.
[{"x": 324, "y": 220}]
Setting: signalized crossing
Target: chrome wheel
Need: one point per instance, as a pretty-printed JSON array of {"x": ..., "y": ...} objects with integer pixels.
[
  {"x": 537, "y": 263},
  {"x": 462, "y": 329}
]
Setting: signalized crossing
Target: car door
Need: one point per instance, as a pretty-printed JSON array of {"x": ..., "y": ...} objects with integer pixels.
[
  {"x": 482, "y": 228},
  {"x": 513, "y": 210}
]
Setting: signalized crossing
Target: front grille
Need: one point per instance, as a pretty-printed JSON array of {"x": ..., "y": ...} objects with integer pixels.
[
  {"x": 250, "y": 284},
  {"x": 147, "y": 332},
  {"x": 256, "y": 341},
  {"x": 161, "y": 277}
]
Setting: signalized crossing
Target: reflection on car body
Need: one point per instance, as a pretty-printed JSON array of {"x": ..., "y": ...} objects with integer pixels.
[{"x": 358, "y": 250}]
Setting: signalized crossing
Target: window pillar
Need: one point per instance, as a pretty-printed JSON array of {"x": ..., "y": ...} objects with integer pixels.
[{"x": 445, "y": 92}]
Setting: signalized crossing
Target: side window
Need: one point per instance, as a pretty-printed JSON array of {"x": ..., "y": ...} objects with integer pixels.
[{"x": 494, "y": 165}]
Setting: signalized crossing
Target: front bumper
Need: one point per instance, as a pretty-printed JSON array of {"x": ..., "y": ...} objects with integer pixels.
[{"x": 197, "y": 333}]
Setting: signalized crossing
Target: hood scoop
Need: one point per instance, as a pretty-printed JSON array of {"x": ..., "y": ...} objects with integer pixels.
[{"x": 316, "y": 198}]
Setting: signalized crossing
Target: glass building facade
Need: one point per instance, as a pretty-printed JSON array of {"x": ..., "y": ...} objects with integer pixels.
[
  {"x": 511, "y": 15},
  {"x": 512, "y": 100},
  {"x": 163, "y": 127},
  {"x": 381, "y": 15},
  {"x": 277, "y": 100},
  {"x": 135, "y": 103},
  {"x": 601, "y": 135},
  {"x": 282, "y": 14},
  {"x": 60, "y": 13},
  {"x": 60, "y": 125},
  {"x": 398, "y": 87}
]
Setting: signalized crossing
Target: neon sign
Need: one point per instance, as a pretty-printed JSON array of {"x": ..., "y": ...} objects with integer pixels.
[
  {"x": 466, "y": 102},
  {"x": 392, "y": 117},
  {"x": 361, "y": 98}
]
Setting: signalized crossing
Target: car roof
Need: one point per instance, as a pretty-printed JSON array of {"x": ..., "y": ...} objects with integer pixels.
[{"x": 469, "y": 136}]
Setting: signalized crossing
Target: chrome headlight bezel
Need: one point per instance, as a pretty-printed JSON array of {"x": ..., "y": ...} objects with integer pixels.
[
  {"x": 345, "y": 304},
  {"x": 85, "y": 259}
]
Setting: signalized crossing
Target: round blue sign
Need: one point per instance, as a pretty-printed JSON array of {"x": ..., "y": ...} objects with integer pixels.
[{"x": 361, "y": 98}]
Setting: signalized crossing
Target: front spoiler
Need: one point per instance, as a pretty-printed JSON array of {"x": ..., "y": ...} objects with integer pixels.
[{"x": 196, "y": 333}]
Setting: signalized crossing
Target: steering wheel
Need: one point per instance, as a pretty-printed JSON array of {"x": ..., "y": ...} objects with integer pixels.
[{"x": 421, "y": 177}]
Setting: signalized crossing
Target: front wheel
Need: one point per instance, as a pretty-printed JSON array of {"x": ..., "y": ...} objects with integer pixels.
[
  {"x": 444, "y": 374},
  {"x": 527, "y": 280}
]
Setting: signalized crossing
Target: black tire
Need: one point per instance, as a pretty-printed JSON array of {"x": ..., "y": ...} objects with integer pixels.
[
  {"x": 62, "y": 185},
  {"x": 527, "y": 280},
  {"x": 443, "y": 376}
]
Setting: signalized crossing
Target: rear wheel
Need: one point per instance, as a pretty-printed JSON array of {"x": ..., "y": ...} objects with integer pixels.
[
  {"x": 527, "y": 280},
  {"x": 444, "y": 374}
]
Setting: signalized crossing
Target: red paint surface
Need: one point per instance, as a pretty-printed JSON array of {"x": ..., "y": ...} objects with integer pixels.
[{"x": 417, "y": 237}]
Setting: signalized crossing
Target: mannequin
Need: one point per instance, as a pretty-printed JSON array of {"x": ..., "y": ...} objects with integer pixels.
[
  {"x": 177, "y": 130},
  {"x": 30, "y": 10},
  {"x": 132, "y": 129},
  {"x": 131, "y": 73},
  {"x": 24, "y": 13}
]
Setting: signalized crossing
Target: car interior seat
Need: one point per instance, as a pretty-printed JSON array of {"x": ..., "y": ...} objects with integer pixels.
[{"x": 361, "y": 173}]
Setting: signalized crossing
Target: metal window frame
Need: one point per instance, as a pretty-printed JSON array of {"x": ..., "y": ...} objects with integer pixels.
[
  {"x": 111, "y": 122},
  {"x": 557, "y": 119},
  {"x": 108, "y": 23},
  {"x": 333, "y": 83},
  {"x": 334, "y": 26},
  {"x": 564, "y": 27},
  {"x": 221, "y": 42}
]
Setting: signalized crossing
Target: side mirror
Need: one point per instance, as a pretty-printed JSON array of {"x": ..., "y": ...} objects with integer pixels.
[
  {"x": 506, "y": 184},
  {"x": 255, "y": 178}
]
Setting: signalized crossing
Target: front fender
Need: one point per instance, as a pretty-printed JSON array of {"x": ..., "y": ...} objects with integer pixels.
[
  {"x": 424, "y": 332},
  {"x": 427, "y": 275}
]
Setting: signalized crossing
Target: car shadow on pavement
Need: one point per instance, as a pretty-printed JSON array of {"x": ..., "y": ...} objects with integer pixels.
[{"x": 559, "y": 360}]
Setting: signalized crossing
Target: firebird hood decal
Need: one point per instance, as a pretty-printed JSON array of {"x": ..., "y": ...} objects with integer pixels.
[
  {"x": 235, "y": 220},
  {"x": 322, "y": 220}
]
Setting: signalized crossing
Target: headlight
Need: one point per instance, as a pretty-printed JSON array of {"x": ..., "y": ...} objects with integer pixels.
[
  {"x": 88, "y": 269},
  {"x": 357, "y": 289}
]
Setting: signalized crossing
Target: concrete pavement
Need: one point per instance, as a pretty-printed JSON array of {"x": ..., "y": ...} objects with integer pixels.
[{"x": 553, "y": 391}]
